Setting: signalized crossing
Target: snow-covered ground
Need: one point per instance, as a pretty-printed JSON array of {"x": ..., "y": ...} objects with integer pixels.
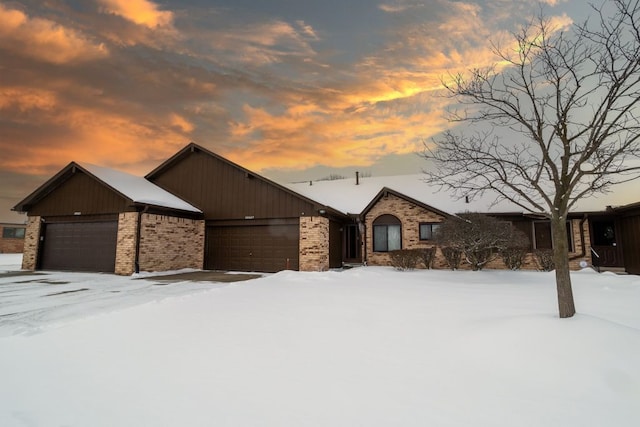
[{"x": 363, "y": 347}]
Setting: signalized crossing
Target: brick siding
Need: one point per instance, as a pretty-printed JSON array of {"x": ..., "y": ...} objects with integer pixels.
[
  {"x": 31, "y": 241},
  {"x": 126, "y": 243},
  {"x": 410, "y": 215},
  {"x": 171, "y": 243},
  {"x": 314, "y": 243}
]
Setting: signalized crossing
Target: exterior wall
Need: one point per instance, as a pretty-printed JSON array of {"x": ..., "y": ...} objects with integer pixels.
[
  {"x": 80, "y": 193},
  {"x": 11, "y": 245},
  {"x": 314, "y": 243},
  {"x": 31, "y": 243},
  {"x": 126, "y": 246},
  {"x": 410, "y": 215},
  {"x": 231, "y": 192},
  {"x": 171, "y": 243},
  {"x": 575, "y": 257},
  {"x": 630, "y": 227}
]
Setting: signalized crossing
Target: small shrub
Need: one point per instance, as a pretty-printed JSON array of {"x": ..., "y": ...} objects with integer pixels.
[
  {"x": 404, "y": 259},
  {"x": 513, "y": 257},
  {"x": 545, "y": 259},
  {"x": 453, "y": 257},
  {"x": 427, "y": 256}
]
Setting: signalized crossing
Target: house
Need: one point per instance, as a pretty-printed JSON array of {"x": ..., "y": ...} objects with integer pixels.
[
  {"x": 200, "y": 210},
  {"x": 11, "y": 238}
]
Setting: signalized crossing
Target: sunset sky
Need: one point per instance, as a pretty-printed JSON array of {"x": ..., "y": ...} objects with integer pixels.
[{"x": 293, "y": 89}]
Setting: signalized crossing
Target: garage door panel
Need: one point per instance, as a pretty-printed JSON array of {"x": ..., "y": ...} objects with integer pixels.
[
  {"x": 80, "y": 246},
  {"x": 253, "y": 248}
]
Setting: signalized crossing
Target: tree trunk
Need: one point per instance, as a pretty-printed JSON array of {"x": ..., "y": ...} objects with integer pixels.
[{"x": 566, "y": 305}]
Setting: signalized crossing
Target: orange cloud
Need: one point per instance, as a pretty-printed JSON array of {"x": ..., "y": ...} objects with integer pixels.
[
  {"x": 24, "y": 99},
  {"x": 303, "y": 137},
  {"x": 44, "y": 39},
  {"x": 140, "y": 12},
  {"x": 94, "y": 135},
  {"x": 266, "y": 43},
  {"x": 181, "y": 123}
]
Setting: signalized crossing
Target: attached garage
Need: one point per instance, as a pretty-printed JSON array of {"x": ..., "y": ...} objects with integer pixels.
[
  {"x": 79, "y": 246},
  {"x": 88, "y": 218},
  {"x": 253, "y": 224},
  {"x": 266, "y": 247}
]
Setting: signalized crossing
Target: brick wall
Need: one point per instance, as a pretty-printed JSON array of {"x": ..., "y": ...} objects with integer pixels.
[
  {"x": 126, "y": 246},
  {"x": 410, "y": 215},
  {"x": 314, "y": 243},
  {"x": 574, "y": 264},
  {"x": 11, "y": 245},
  {"x": 31, "y": 241},
  {"x": 171, "y": 243}
]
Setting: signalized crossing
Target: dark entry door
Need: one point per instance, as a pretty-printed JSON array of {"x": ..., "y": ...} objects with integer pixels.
[
  {"x": 267, "y": 248},
  {"x": 352, "y": 244},
  {"x": 80, "y": 246},
  {"x": 604, "y": 241}
]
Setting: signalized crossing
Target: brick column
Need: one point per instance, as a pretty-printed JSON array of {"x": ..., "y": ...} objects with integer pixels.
[
  {"x": 126, "y": 246},
  {"x": 31, "y": 243},
  {"x": 314, "y": 243}
]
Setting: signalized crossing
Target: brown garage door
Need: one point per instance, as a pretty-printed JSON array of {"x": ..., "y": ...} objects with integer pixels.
[
  {"x": 80, "y": 246},
  {"x": 267, "y": 248}
]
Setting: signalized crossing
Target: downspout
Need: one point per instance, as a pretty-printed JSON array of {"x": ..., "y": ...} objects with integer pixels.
[
  {"x": 138, "y": 234},
  {"x": 583, "y": 253}
]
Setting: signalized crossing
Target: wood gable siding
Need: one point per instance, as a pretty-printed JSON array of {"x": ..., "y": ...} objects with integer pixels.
[
  {"x": 224, "y": 191},
  {"x": 80, "y": 193}
]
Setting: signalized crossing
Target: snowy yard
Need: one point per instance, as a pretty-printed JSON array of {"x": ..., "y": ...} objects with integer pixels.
[{"x": 364, "y": 347}]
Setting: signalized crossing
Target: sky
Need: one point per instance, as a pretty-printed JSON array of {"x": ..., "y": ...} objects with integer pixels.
[{"x": 292, "y": 89}]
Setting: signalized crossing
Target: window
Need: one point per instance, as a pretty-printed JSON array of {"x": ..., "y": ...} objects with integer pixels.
[
  {"x": 427, "y": 230},
  {"x": 542, "y": 235},
  {"x": 13, "y": 233},
  {"x": 387, "y": 235}
]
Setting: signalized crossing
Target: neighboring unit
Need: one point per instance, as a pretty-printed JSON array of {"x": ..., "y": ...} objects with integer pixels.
[{"x": 11, "y": 238}]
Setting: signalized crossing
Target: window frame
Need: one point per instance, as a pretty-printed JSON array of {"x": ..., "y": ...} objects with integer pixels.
[
  {"x": 570, "y": 239},
  {"x": 431, "y": 230},
  {"x": 384, "y": 222},
  {"x": 13, "y": 232}
]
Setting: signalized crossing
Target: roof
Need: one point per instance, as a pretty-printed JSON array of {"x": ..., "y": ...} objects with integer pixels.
[
  {"x": 345, "y": 196},
  {"x": 138, "y": 189},
  {"x": 132, "y": 187}
]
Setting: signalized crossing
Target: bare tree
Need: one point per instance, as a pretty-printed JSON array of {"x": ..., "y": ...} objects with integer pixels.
[
  {"x": 478, "y": 237},
  {"x": 571, "y": 100}
]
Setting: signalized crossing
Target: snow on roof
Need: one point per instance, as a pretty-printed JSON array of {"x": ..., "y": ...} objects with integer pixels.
[
  {"x": 138, "y": 188},
  {"x": 347, "y": 197}
]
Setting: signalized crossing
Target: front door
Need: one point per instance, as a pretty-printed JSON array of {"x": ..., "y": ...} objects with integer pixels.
[
  {"x": 607, "y": 251},
  {"x": 352, "y": 244}
]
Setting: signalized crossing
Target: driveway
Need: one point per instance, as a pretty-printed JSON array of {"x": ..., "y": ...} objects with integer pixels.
[{"x": 33, "y": 301}]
